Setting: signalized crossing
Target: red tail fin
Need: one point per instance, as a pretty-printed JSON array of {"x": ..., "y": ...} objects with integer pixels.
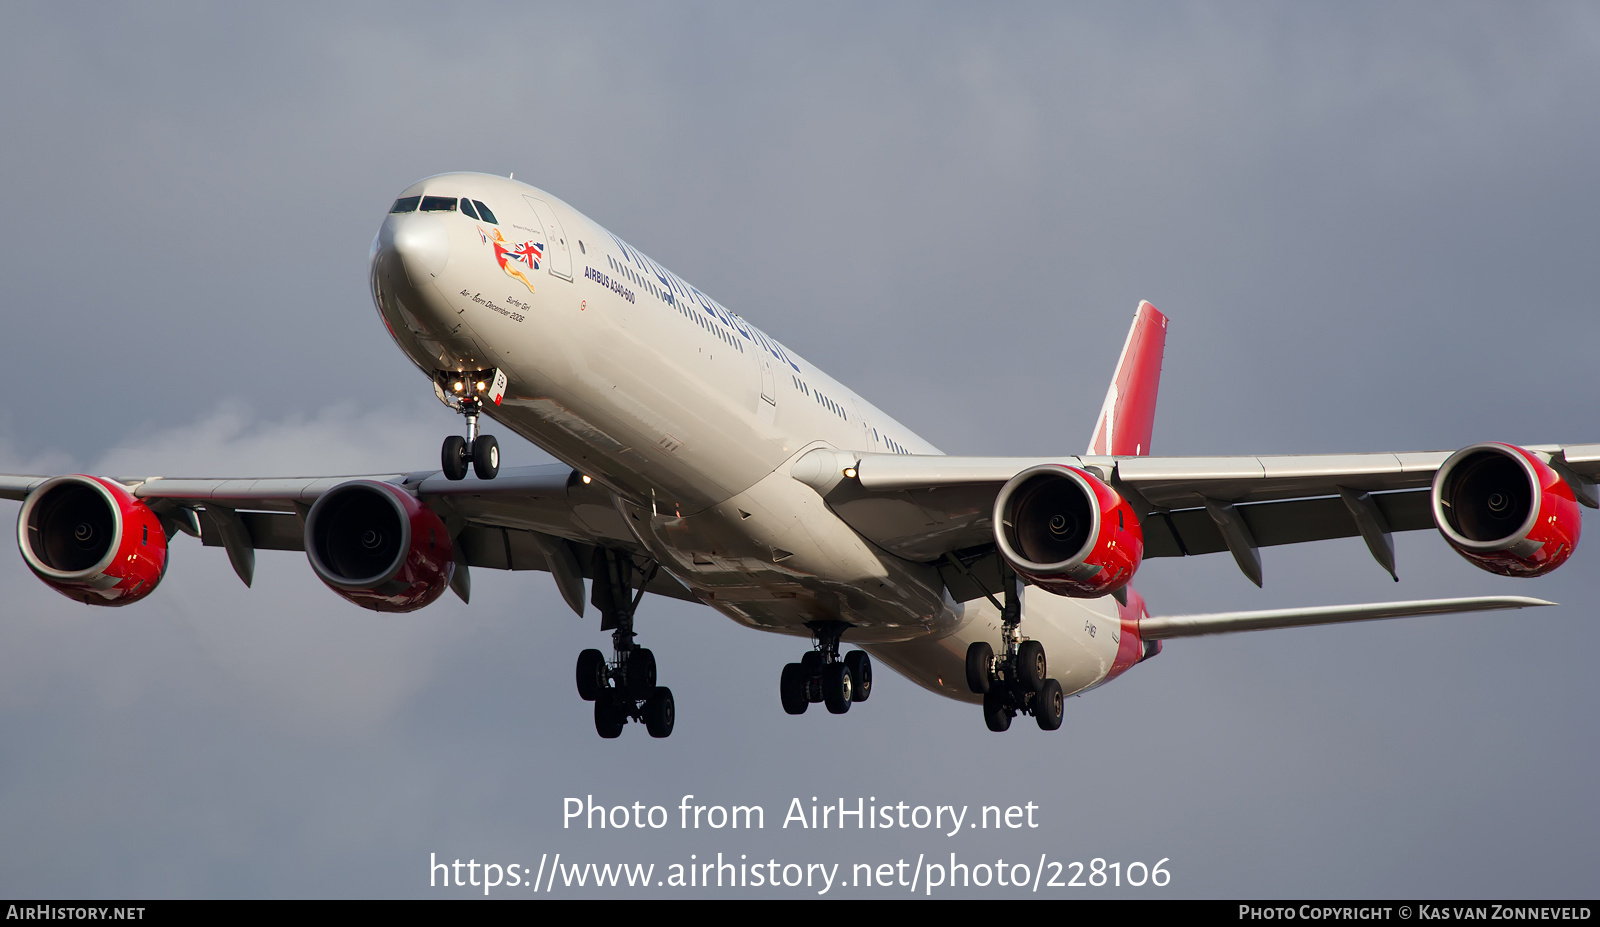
[{"x": 1129, "y": 413}]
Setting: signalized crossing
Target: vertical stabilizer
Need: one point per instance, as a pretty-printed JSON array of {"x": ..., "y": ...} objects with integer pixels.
[{"x": 1129, "y": 413}]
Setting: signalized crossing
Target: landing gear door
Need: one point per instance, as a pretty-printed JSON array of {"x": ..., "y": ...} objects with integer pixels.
[{"x": 557, "y": 254}]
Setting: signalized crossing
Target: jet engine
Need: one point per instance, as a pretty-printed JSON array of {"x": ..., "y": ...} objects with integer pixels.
[
  {"x": 90, "y": 540},
  {"x": 1067, "y": 532},
  {"x": 1505, "y": 510},
  {"x": 377, "y": 546}
]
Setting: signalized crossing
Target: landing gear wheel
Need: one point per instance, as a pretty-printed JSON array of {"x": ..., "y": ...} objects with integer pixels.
[
  {"x": 453, "y": 458},
  {"x": 860, "y": 673},
  {"x": 485, "y": 457},
  {"x": 1048, "y": 706},
  {"x": 980, "y": 657},
  {"x": 591, "y": 675},
  {"x": 608, "y": 719},
  {"x": 659, "y": 712},
  {"x": 792, "y": 689},
  {"x": 1031, "y": 666},
  {"x": 995, "y": 714},
  {"x": 641, "y": 670},
  {"x": 618, "y": 687},
  {"x": 811, "y": 667},
  {"x": 837, "y": 687}
]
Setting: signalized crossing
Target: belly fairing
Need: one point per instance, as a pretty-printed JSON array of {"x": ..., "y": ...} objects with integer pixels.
[{"x": 774, "y": 557}]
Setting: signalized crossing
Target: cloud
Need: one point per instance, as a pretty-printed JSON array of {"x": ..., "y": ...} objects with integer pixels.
[{"x": 230, "y": 440}]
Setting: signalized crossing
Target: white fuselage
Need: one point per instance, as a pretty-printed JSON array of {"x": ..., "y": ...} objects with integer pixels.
[{"x": 693, "y": 418}]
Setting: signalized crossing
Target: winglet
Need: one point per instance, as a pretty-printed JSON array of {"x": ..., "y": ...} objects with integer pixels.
[{"x": 1129, "y": 414}]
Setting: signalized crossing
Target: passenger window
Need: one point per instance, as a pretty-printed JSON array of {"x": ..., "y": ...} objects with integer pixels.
[
  {"x": 466, "y": 207},
  {"x": 438, "y": 204},
  {"x": 406, "y": 204},
  {"x": 484, "y": 212}
]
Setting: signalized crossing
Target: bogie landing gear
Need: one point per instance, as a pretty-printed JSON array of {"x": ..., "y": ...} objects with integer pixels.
[
  {"x": 466, "y": 393},
  {"x": 822, "y": 676},
  {"x": 1017, "y": 681},
  {"x": 622, "y": 688}
]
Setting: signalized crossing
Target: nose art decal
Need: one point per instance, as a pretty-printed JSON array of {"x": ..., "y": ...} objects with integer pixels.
[{"x": 508, "y": 255}]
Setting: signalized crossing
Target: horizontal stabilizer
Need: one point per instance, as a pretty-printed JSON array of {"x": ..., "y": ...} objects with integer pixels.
[{"x": 1166, "y": 627}]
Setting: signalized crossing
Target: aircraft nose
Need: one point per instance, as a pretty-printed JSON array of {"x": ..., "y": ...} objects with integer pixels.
[{"x": 420, "y": 243}]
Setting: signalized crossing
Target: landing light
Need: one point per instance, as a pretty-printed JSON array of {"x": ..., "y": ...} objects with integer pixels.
[
  {"x": 849, "y": 473},
  {"x": 587, "y": 480},
  {"x": 480, "y": 386},
  {"x": 457, "y": 386}
]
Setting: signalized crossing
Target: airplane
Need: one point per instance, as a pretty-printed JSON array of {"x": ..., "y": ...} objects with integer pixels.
[{"x": 701, "y": 459}]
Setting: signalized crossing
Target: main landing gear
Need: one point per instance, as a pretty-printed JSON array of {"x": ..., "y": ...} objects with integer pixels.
[
  {"x": 465, "y": 392},
  {"x": 1016, "y": 682},
  {"x": 623, "y": 688},
  {"x": 821, "y": 676}
]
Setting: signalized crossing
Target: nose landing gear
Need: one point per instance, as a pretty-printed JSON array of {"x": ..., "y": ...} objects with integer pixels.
[
  {"x": 481, "y": 451},
  {"x": 465, "y": 392},
  {"x": 821, "y": 676},
  {"x": 1017, "y": 681}
]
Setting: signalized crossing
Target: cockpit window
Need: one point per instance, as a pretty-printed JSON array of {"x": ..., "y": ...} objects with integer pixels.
[
  {"x": 484, "y": 212},
  {"x": 438, "y": 204},
  {"x": 466, "y": 207},
  {"x": 406, "y": 204}
]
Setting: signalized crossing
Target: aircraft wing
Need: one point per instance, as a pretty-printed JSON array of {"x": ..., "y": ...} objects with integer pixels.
[
  {"x": 528, "y": 518},
  {"x": 940, "y": 509}
]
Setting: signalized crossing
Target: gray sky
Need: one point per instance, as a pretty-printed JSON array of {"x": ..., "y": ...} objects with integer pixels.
[{"x": 1372, "y": 228}]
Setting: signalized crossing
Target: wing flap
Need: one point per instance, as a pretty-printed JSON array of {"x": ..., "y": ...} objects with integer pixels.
[
  {"x": 1167, "y": 627},
  {"x": 546, "y": 499},
  {"x": 1295, "y": 521},
  {"x": 492, "y": 548},
  {"x": 953, "y": 518},
  {"x": 512, "y": 549},
  {"x": 266, "y": 530}
]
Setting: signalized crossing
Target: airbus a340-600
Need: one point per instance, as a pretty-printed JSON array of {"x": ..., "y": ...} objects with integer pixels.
[{"x": 702, "y": 459}]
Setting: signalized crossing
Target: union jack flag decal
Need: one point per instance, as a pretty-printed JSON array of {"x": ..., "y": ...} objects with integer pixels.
[{"x": 508, "y": 255}]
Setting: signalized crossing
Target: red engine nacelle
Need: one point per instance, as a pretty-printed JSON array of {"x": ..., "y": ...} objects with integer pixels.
[
  {"x": 1067, "y": 532},
  {"x": 89, "y": 539},
  {"x": 1505, "y": 510},
  {"x": 377, "y": 546}
]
